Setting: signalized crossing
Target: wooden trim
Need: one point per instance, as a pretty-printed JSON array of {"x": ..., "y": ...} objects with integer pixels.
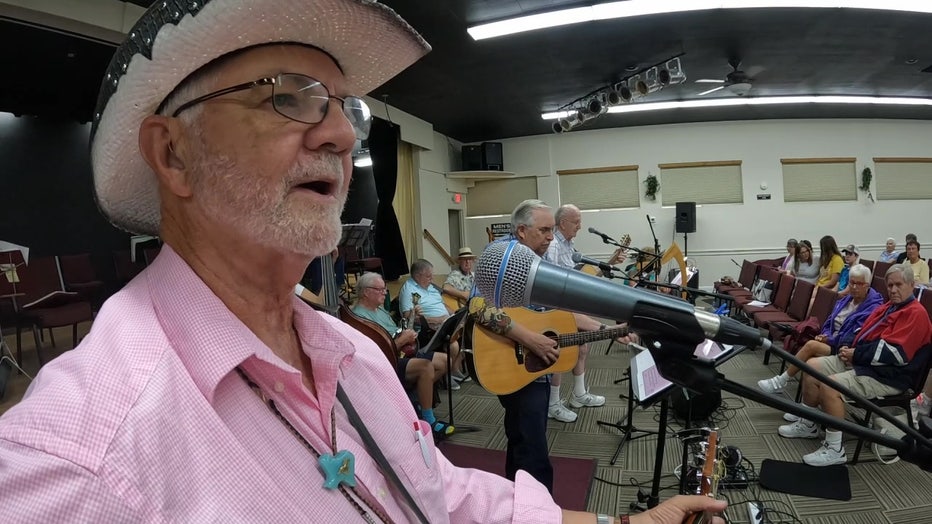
[
  {"x": 714, "y": 163},
  {"x": 902, "y": 160},
  {"x": 590, "y": 170},
  {"x": 839, "y": 160}
]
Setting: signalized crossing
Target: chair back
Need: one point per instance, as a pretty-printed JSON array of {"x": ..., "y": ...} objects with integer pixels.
[
  {"x": 880, "y": 269},
  {"x": 879, "y": 284},
  {"x": 37, "y": 279},
  {"x": 799, "y": 304},
  {"x": 925, "y": 298},
  {"x": 823, "y": 304},
  {"x": 748, "y": 272},
  {"x": 869, "y": 264},
  {"x": 372, "y": 330},
  {"x": 785, "y": 285},
  {"x": 76, "y": 269},
  {"x": 924, "y": 366}
]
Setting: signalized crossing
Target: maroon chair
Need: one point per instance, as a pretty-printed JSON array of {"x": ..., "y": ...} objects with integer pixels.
[
  {"x": 879, "y": 284},
  {"x": 78, "y": 274},
  {"x": 357, "y": 265},
  {"x": 781, "y": 297},
  {"x": 795, "y": 312},
  {"x": 745, "y": 278},
  {"x": 765, "y": 273},
  {"x": 867, "y": 263},
  {"x": 45, "y": 305},
  {"x": 150, "y": 253},
  {"x": 926, "y": 300},
  {"x": 125, "y": 268},
  {"x": 880, "y": 270}
]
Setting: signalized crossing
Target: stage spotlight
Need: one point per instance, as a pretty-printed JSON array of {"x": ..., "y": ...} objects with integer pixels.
[
  {"x": 652, "y": 80},
  {"x": 557, "y": 127},
  {"x": 672, "y": 73},
  {"x": 595, "y": 106},
  {"x": 637, "y": 86}
]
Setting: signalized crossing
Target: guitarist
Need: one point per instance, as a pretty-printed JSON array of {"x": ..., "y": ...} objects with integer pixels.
[
  {"x": 568, "y": 221},
  {"x": 526, "y": 410}
]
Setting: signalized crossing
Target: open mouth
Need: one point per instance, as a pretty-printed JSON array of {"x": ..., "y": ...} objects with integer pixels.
[{"x": 319, "y": 186}]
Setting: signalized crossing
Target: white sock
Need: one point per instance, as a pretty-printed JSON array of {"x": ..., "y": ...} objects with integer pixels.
[
  {"x": 579, "y": 385},
  {"x": 784, "y": 377},
  {"x": 804, "y": 420},
  {"x": 554, "y": 395},
  {"x": 833, "y": 438}
]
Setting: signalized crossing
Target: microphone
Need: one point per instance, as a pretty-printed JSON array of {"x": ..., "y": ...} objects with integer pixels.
[
  {"x": 605, "y": 238},
  {"x": 578, "y": 258},
  {"x": 511, "y": 275}
]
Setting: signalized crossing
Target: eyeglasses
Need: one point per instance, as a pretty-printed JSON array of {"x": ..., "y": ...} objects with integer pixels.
[
  {"x": 378, "y": 289},
  {"x": 545, "y": 230},
  {"x": 302, "y": 99},
  {"x": 857, "y": 284}
]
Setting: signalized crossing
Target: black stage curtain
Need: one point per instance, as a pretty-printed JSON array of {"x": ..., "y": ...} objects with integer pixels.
[{"x": 383, "y": 148}]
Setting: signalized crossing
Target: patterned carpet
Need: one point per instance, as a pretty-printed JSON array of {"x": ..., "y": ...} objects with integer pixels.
[{"x": 897, "y": 493}]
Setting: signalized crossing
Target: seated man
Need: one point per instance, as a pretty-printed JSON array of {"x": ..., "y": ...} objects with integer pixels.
[
  {"x": 877, "y": 364},
  {"x": 460, "y": 280},
  {"x": 852, "y": 256},
  {"x": 422, "y": 369},
  {"x": 839, "y": 328},
  {"x": 432, "y": 309}
]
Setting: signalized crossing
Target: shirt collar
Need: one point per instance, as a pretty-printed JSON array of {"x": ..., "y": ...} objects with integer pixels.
[{"x": 211, "y": 341}]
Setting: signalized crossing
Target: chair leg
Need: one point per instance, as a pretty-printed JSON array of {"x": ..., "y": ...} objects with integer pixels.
[
  {"x": 766, "y": 357},
  {"x": 37, "y": 336},
  {"x": 74, "y": 335},
  {"x": 19, "y": 345},
  {"x": 52, "y": 338},
  {"x": 857, "y": 451}
]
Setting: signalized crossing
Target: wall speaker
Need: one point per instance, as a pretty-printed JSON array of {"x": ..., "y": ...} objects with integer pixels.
[
  {"x": 685, "y": 217},
  {"x": 492, "y": 156},
  {"x": 472, "y": 158}
]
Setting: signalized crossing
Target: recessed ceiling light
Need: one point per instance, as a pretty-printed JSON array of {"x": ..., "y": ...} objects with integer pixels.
[
  {"x": 634, "y": 8},
  {"x": 756, "y": 101},
  {"x": 632, "y": 68},
  {"x": 912, "y": 61}
]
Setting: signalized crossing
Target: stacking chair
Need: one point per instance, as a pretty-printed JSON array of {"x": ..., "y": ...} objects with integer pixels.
[
  {"x": 879, "y": 284},
  {"x": 867, "y": 263},
  {"x": 78, "y": 274},
  {"x": 45, "y": 305},
  {"x": 795, "y": 311},
  {"x": 745, "y": 278},
  {"x": 923, "y": 362},
  {"x": 781, "y": 297},
  {"x": 765, "y": 273}
]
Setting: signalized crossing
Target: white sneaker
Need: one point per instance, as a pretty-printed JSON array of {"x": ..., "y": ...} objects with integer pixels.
[
  {"x": 561, "y": 413},
  {"x": 461, "y": 377},
  {"x": 454, "y": 385},
  {"x": 772, "y": 385},
  {"x": 799, "y": 429},
  {"x": 826, "y": 455},
  {"x": 588, "y": 400},
  {"x": 789, "y": 417}
]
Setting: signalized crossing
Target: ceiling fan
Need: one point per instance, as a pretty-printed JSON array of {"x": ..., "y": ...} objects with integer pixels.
[{"x": 737, "y": 81}]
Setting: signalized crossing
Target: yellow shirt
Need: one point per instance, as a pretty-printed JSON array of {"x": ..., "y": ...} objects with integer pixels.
[
  {"x": 920, "y": 271},
  {"x": 835, "y": 265}
]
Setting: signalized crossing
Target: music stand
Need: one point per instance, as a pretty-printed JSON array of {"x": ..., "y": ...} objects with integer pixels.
[{"x": 441, "y": 338}]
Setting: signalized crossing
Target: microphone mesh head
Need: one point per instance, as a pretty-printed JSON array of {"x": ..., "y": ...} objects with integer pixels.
[
  {"x": 577, "y": 257},
  {"x": 505, "y": 288}
]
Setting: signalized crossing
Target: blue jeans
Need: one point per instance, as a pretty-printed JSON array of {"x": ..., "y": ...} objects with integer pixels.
[{"x": 526, "y": 429}]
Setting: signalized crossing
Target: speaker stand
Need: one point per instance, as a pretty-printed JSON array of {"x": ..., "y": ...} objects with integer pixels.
[{"x": 685, "y": 248}]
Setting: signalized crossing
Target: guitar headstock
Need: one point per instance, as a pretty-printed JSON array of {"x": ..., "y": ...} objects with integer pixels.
[
  {"x": 708, "y": 468},
  {"x": 626, "y": 240}
]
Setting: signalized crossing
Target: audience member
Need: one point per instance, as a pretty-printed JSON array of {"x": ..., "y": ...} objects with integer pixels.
[
  {"x": 830, "y": 262},
  {"x": 852, "y": 257},
  {"x": 876, "y": 364},
  {"x": 460, "y": 280},
  {"x": 919, "y": 265},
  {"x": 838, "y": 330},
  {"x": 902, "y": 256},
  {"x": 803, "y": 266},
  {"x": 791, "y": 246},
  {"x": 889, "y": 254}
]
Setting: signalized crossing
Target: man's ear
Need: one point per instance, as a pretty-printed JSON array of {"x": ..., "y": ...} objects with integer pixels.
[
  {"x": 519, "y": 232},
  {"x": 157, "y": 134}
]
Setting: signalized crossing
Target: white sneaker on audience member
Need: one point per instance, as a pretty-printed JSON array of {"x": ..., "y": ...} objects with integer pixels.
[
  {"x": 561, "y": 413},
  {"x": 772, "y": 384},
  {"x": 802, "y": 428},
  {"x": 588, "y": 400},
  {"x": 827, "y": 455}
]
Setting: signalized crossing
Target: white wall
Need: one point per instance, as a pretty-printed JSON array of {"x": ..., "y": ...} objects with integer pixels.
[
  {"x": 755, "y": 229},
  {"x": 435, "y": 198}
]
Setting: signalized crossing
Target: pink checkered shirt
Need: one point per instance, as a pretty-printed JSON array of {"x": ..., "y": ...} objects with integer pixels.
[{"x": 148, "y": 421}]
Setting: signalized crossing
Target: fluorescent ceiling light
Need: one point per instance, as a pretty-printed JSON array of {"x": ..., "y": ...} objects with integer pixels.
[
  {"x": 761, "y": 101},
  {"x": 363, "y": 161},
  {"x": 633, "y": 8}
]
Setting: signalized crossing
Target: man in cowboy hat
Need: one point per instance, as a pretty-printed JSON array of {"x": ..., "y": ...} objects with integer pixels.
[
  {"x": 460, "y": 280},
  {"x": 206, "y": 391}
]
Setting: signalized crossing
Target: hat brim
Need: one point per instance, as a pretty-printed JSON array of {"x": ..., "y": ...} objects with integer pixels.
[{"x": 370, "y": 43}]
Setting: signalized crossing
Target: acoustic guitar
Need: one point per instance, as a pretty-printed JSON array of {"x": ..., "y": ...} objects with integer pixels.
[
  {"x": 589, "y": 269},
  {"x": 502, "y": 366}
]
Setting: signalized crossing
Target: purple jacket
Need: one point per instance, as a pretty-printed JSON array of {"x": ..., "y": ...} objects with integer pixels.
[{"x": 852, "y": 324}]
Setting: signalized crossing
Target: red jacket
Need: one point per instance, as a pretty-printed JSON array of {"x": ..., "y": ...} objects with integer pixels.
[{"x": 887, "y": 343}]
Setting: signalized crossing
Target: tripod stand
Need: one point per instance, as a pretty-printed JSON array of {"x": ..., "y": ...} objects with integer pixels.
[{"x": 626, "y": 426}]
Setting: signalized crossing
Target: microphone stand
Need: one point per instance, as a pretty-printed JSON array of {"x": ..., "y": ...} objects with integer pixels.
[{"x": 656, "y": 247}]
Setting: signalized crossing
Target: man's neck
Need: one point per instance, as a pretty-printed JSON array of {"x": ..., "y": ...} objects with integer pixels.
[{"x": 369, "y": 306}]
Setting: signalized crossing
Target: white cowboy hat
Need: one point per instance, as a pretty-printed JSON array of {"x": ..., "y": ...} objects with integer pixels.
[
  {"x": 174, "y": 38},
  {"x": 466, "y": 252}
]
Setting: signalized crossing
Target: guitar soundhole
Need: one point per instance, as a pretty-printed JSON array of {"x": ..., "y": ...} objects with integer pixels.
[{"x": 533, "y": 363}]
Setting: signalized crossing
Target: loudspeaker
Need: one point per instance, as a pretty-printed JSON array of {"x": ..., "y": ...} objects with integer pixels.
[
  {"x": 492, "y": 156},
  {"x": 703, "y": 405},
  {"x": 472, "y": 158},
  {"x": 685, "y": 217}
]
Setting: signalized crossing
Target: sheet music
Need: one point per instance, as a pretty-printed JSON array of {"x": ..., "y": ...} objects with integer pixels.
[{"x": 648, "y": 379}]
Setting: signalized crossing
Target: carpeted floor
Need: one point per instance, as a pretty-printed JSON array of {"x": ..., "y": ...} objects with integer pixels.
[{"x": 895, "y": 494}]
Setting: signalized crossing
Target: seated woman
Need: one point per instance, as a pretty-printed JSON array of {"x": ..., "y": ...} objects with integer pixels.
[
  {"x": 803, "y": 268},
  {"x": 791, "y": 246},
  {"x": 889, "y": 254},
  {"x": 839, "y": 328},
  {"x": 421, "y": 369},
  {"x": 830, "y": 262}
]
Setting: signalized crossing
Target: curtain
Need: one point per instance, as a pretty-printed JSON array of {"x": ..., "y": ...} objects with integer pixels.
[
  {"x": 389, "y": 245},
  {"x": 405, "y": 198}
]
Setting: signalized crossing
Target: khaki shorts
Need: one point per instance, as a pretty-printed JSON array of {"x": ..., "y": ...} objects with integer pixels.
[{"x": 865, "y": 386}]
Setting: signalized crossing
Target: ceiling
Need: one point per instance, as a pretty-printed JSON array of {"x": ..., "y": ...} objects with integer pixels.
[{"x": 481, "y": 90}]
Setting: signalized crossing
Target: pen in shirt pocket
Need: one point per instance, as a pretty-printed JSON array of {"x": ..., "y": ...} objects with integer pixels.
[{"x": 425, "y": 449}]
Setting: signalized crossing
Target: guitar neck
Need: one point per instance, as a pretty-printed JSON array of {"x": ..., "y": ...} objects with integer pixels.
[{"x": 582, "y": 337}]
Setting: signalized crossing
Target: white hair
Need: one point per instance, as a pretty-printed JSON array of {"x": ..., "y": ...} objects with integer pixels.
[
  {"x": 522, "y": 215},
  {"x": 861, "y": 272}
]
